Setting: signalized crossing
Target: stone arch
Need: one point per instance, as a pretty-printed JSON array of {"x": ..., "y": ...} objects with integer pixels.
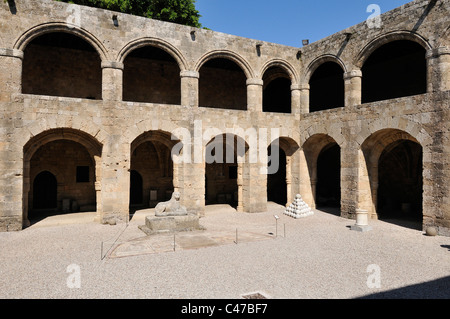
[
  {"x": 92, "y": 145},
  {"x": 221, "y": 170},
  {"x": 284, "y": 65},
  {"x": 317, "y": 62},
  {"x": 61, "y": 60},
  {"x": 375, "y": 146},
  {"x": 226, "y": 54},
  {"x": 322, "y": 130},
  {"x": 54, "y": 27},
  {"x": 154, "y": 42},
  {"x": 278, "y": 79},
  {"x": 151, "y": 158},
  {"x": 312, "y": 150},
  {"x": 86, "y": 141},
  {"x": 379, "y": 41}
]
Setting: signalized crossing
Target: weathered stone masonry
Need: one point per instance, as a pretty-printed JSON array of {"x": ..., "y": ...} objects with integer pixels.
[{"x": 103, "y": 98}]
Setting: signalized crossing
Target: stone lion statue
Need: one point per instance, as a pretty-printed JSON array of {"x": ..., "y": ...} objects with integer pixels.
[{"x": 171, "y": 207}]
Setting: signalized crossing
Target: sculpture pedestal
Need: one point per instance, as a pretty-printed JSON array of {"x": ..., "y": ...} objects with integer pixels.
[
  {"x": 170, "y": 224},
  {"x": 362, "y": 221}
]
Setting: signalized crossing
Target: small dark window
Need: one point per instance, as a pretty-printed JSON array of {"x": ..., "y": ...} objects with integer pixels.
[
  {"x": 82, "y": 174},
  {"x": 232, "y": 172}
]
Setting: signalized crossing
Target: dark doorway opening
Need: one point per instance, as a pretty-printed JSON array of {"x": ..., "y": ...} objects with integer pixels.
[
  {"x": 328, "y": 189},
  {"x": 136, "y": 189},
  {"x": 276, "y": 183},
  {"x": 400, "y": 182},
  {"x": 45, "y": 191}
]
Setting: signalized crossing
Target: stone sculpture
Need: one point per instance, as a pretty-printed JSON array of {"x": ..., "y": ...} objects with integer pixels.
[{"x": 171, "y": 207}]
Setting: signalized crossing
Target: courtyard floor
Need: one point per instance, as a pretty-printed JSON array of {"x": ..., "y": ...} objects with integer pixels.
[{"x": 237, "y": 254}]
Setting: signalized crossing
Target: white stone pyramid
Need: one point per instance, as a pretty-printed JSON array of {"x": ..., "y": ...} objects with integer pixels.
[{"x": 298, "y": 209}]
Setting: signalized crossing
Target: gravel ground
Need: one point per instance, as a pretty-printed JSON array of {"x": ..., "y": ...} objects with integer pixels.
[{"x": 319, "y": 257}]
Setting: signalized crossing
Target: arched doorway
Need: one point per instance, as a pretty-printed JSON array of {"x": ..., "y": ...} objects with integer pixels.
[
  {"x": 45, "y": 191},
  {"x": 400, "y": 182},
  {"x": 394, "y": 171},
  {"x": 73, "y": 158},
  {"x": 224, "y": 158},
  {"x": 136, "y": 189},
  {"x": 151, "y": 169},
  {"x": 323, "y": 159}
]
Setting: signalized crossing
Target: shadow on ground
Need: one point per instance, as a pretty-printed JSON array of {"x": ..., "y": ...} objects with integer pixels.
[{"x": 435, "y": 289}]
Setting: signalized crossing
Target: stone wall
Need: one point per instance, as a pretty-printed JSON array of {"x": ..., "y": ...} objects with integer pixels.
[{"x": 108, "y": 127}]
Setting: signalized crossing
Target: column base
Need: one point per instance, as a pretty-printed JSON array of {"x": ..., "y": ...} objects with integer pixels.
[{"x": 361, "y": 229}]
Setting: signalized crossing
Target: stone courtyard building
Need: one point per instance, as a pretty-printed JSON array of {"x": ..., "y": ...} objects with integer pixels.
[{"x": 93, "y": 103}]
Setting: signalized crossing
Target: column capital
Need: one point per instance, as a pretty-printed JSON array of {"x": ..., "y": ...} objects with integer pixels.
[
  {"x": 300, "y": 86},
  {"x": 353, "y": 74},
  {"x": 190, "y": 74},
  {"x": 255, "y": 81},
  {"x": 13, "y": 53},
  {"x": 437, "y": 52},
  {"x": 112, "y": 65}
]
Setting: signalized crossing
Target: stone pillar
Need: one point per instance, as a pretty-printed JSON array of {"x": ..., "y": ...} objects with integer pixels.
[
  {"x": 191, "y": 185},
  {"x": 115, "y": 180},
  {"x": 289, "y": 196},
  {"x": 352, "y": 82},
  {"x": 112, "y": 86},
  {"x": 304, "y": 98},
  {"x": 10, "y": 73},
  {"x": 349, "y": 179},
  {"x": 255, "y": 95},
  {"x": 254, "y": 187},
  {"x": 438, "y": 69},
  {"x": 240, "y": 184},
  {"x": 296, "y": 95},
  {"x": 306, "y": 186},
  {"x": 189, "y": 88}
]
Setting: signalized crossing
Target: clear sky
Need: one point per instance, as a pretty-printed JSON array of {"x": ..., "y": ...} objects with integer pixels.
[{"x": 287, "y": 22}]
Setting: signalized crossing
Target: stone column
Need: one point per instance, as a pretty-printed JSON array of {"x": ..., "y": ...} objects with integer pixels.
[
  {"x": 289, "y": 195},
  {"x": 304, "y": 98},
  {"x": 255, "y": 95},
  {"x": 352, "y": 82},
  {"x": 112, "y": 86},
  {"x": 10, "y": 73},
  {"x": 438, "y": 69},
  {"x": 240, "y": 184},
  {"x": 189, "y": 88},
  {"x": 296, "y": 95}
]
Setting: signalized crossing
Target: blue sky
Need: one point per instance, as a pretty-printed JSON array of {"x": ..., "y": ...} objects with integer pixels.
[{"x": 287, "y": 22}]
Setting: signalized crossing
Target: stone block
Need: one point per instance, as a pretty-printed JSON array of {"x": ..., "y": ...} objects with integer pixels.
[{"x": 171, "y": 224}]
